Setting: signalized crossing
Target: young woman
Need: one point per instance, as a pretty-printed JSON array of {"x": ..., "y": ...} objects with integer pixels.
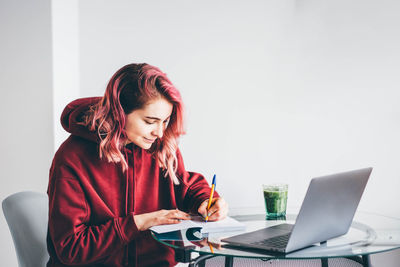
[{"x": 121, "y": 172}]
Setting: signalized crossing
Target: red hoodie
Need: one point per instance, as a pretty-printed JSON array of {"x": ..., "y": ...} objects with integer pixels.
[{"x": 92, "y": 201}]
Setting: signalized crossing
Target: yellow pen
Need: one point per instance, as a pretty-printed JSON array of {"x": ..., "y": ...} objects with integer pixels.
[
  {"x": 211, "y": 247},
  {"x": 211, "y": 195}
]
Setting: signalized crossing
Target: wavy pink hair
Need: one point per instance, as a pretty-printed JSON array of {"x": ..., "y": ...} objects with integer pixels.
[{"x": 129, "y": 89}]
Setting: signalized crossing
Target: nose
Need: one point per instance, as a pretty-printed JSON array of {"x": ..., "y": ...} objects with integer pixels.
[{"x": 158, "y": 131}]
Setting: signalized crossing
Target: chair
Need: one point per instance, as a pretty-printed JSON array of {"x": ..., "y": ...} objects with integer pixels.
[{"x": 27, "y": 216}]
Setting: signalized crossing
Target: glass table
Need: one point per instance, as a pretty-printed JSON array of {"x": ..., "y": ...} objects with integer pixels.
[{"x": 369, "y": 233}]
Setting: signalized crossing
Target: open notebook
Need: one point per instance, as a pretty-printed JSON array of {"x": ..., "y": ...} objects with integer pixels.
[{"x": 226, "y": 225}]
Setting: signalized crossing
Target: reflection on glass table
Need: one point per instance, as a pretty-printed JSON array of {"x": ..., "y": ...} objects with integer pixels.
[{"x": 368, "y": 234}]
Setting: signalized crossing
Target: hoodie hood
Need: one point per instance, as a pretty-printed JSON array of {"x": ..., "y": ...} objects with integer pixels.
[{"x": 72, "y": 116}]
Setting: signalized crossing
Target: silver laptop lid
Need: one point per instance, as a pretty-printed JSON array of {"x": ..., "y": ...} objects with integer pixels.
[{"x": 328, "y": 208}]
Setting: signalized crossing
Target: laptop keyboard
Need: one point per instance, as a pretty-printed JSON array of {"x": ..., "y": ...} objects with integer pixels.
[{"x": 277, "y": 241}]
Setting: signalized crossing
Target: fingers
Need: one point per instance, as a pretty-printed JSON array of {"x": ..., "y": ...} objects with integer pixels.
[
  {"x": 202, "y": 210},
  {"x": 180, "y": 215},
  {"x": 218, "y": 210},
  {"x": 206, "y": 242},
  {"x": 170, "y": 216},
  {"x": 215, "y": 245},
  {"x": 146, "y": 220}
]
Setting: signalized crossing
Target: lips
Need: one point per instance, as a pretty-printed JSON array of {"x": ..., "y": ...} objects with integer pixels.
[{"x": 149, "y": 140}]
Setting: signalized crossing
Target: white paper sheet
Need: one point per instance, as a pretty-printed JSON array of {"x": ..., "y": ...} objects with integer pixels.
[
  {"x": 165, "y": 228},
  {"x": 225, "y": 225}
]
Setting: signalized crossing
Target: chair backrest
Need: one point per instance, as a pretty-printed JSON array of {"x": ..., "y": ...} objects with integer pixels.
[{"x": 27, "y": 217}]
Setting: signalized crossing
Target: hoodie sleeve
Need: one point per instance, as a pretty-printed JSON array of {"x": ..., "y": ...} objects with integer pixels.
[
  {"x": 74, "y": 240},
  {"x": 193, "y": 189}
]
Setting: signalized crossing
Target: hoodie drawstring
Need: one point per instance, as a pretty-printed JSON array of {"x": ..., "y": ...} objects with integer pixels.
[
  {"x": 126, "y": 257},
  {"x": 126, "y": 184}
]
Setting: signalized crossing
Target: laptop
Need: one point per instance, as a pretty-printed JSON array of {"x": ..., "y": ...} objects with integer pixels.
[{"x": 327, "y": 211}]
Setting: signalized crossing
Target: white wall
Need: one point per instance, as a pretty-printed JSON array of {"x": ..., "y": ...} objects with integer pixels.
[
  {"x": 275, "y": 90},
  {"x": 65, "y": 42},
  {"x": 26, "y": 104}
]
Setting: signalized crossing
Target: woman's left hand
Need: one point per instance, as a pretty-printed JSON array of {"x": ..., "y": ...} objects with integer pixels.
[{"x": 218, "y": 209}]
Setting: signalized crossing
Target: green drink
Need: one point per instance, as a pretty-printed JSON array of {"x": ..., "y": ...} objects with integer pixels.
[{"x": 275, "y": 196}]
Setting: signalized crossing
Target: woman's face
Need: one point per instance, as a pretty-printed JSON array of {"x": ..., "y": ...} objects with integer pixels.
[{"x": 143, "y": 126}]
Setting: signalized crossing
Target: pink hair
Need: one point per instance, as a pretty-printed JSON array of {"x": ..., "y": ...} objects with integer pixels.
[{"x": 129, "y": 89}]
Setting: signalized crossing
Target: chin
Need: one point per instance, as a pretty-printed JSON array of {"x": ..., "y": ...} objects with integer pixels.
[
  {"x": 142, "y": 144},
  {"x": 145, "y": 145}
]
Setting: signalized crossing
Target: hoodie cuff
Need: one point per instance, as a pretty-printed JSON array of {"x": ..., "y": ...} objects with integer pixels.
[{"x": 127, "y": 228}]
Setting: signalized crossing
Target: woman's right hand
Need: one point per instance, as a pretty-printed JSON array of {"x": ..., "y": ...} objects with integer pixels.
[{"x": 146, "y": 220}]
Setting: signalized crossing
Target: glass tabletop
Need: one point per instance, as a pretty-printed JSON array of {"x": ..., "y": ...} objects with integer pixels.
[{"x": 369, "y": 233}]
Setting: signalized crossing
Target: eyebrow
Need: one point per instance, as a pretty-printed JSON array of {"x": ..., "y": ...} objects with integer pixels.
[{"x": 155, "y": 118}]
